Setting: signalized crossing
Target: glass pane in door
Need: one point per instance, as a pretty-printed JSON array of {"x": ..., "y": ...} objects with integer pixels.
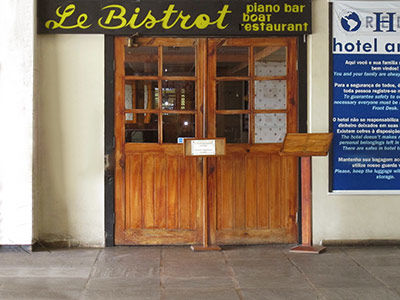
[
  {"x": 235, "y": 128},
  {"x": 179, "y": 61},
  {"x": 141, "y": 61},
  {"x": 232, "y": 95},
  {"x": 270, "y": 128},
  {"x": 178, "y": 95},
  {"x": 178, "y": 125},
  {"x": 141, "y": 128},
  {"x": 270, "y": 61},
  {"x": 141, "y": 94},
  {"x": 232, "y": 61},
  {"x": 270, "y": 94}
]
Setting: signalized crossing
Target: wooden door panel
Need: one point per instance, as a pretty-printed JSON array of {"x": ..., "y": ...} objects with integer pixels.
[
  {"x": 157, "y": 189},
  {"x": 255, "y": 202},
  {"x": 133, "y": 207},
  {"x": 256, "y": 209},
  {"x": 161, "y": 193}
]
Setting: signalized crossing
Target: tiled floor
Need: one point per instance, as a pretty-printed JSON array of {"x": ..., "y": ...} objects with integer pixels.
[{"x": 252, "y": 272}]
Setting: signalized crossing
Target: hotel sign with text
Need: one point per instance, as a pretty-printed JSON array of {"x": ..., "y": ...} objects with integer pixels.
[{"x": 176, "y": 18}]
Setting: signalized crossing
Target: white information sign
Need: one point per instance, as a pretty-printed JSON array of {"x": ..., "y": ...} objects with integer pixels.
[
  {"x": 203, "y": 147},
  {"x": 366, "y": 96}
]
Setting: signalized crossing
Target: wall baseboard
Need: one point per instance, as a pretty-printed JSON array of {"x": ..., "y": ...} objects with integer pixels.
[
  {"x": 41, "y": 245},
  {"x": 16, "y": 248},
  {"x": 367, "y": 242}
]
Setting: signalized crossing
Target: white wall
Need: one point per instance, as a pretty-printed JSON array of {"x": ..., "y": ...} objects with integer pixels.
[
  {"x": 340, "y": 217},
  {"x": 71, "y": 139},
  {"x": 16, "y": 120}
]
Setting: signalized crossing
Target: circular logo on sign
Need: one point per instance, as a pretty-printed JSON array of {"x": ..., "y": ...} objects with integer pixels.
[{"x": 351, "y": 22}]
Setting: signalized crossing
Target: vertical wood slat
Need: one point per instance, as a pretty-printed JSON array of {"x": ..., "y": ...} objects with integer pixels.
[
  {"x": 148, "y": 190},
  {"x": 251, "y": 192},
  {"x": 185, "y": 187},
  {"x": 290, "y": 169},
  {"x": 285, "y": 193},
  {"x": 239, "y": 183},
  {"x": 133, "y": 191},
  {"x": 219, "y": 191},
  {"x": 263, "y": 176},
  {"x": 172, "y": 192},
  {"x": 225, "y": 193},
  {"x": 275, "y": 191},
  {"x": 212, "y": 198},
  {"x": 160, "y": 190},
  {"x": 193, "y": 194}
]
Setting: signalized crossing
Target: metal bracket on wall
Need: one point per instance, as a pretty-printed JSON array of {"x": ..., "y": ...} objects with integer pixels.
[{"x": 132, "y": 43}]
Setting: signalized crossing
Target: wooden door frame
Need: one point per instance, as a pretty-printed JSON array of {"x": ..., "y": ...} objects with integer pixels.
[{"x": 109, "y": 140}]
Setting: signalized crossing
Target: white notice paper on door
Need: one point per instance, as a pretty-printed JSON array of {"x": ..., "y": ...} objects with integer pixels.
[{"x": 203, "y": 147}]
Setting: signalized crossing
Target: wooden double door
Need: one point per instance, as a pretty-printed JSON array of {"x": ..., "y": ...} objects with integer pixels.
[{"x": 167, "y": 89}]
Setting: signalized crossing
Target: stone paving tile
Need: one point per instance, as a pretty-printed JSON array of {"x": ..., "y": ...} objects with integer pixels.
[
  {"x": 201, "y": 294},
  {"x": 40, "y": 294},
  {"x": 280, "y": 293},
  {"x": 102, "y": 284},
  {"x": 32, "y": 271},
  {"x": 255, "y": 252},
  {"x": 146, "y": 272},
  {"x": 243, "y": 267},
  {"x": 186, "y": 255},
  {"x": 128, "y": 262},
  {"x": 372, "y": 251},
  {"x": 334, "y": 269},
  {"x": 382, "y": 262},
  {"x": 29, "y": 283},
  {"x": 269, "y": 280},
  {"x": 390, "y": 275},
  {"x": 201, "y": 268},
  {"x": 377, "y": 256},
  {"x": 396, "y": 290},
  {"x": 267, "y": 273},
  {"x": 57, "y": 263},
  {"x": 137, "y": 252},
  {"x": 332, "y": 279},
  {"x": 121, "y": 293},
  {"x": 130, "y": 270},
  {"x": 378, "y": 261},
  {"x": 64, "y": 258},
  {"x": 197, "y": 282},
  {"x": 364, "y": 293},
  {"x": 319, "y": 263}
]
